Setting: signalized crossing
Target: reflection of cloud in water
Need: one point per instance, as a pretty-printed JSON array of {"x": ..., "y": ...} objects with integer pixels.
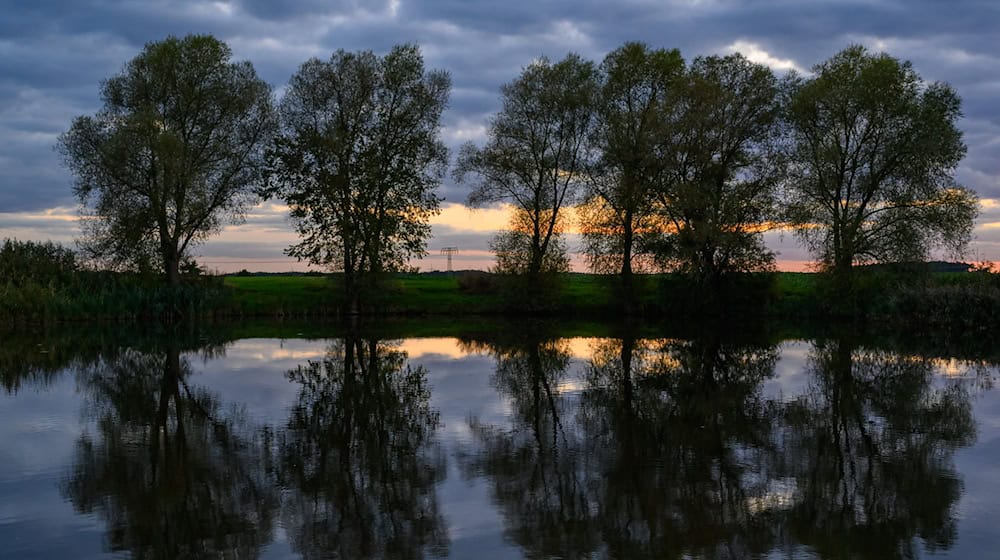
[
  {"x": 258, "y": 351},
  {"x": 417, "y": 348},
  {"x": 781, "y": 494},
  {"x": 580, "y": 348},
  {"x": 571, "y": 386},
  {"x": 791, "y": 378}
]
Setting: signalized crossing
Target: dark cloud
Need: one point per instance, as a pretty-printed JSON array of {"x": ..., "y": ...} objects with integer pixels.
[{"x": 53, "y": 56}]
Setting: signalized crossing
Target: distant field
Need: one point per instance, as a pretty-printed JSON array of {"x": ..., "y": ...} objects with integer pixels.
[
  {"x": 443, "y": 294},
  {"x": 954, "y": 299}
]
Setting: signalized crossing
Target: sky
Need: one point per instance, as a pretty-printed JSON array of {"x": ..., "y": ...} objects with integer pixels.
[{"x": 54, "y": 54}]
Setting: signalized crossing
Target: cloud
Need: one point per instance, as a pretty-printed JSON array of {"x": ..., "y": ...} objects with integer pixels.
[
  {"x": 53, "y": 56},
  {"x": 755, "y": 53}
]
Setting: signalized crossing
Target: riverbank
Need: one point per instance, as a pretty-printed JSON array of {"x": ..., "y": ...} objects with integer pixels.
[{"x": 969, "y": 300}]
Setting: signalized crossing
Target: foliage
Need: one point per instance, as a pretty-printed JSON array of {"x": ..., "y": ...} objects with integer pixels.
[
  {"x": 46, "y": 281},
  {"x": 633, "y": 117},
  {"x": 724, "y": 164},
  {"x": 476, "y": 282},
  {"x": 359, "y": 159},
  {"x": 534, "y": 159},
  {"x": 172, "y": 155},
  {"x": 29, "y": 262},
  {"x": 515, "y": 251},
  {"x": 873, "y": 153}
]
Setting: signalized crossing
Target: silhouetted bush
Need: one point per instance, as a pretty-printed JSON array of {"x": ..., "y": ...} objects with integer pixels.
[
  {"x": 476, "y": 282},
  {"x": 29, "y": 262},
  {"x": 46, "y": 281}
]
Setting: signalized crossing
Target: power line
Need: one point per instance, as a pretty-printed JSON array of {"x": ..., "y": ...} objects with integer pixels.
[{"x": 449, "y": 251}]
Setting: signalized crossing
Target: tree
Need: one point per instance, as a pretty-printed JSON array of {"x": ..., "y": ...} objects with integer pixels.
[
  {"x": 514, "y": 248},
  {"x": 874, "y": 148},
  {"x": 359, "y": 158},
  {"x": 173, "y": 154},
  {"x": 724, "y": 165},
  {"x": 633, "y": 115},
  {"x": 536, "y": 152}
]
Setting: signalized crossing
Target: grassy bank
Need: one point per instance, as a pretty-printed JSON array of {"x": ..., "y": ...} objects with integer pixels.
[
  {"x": 576, "y": 294},
  {"x": 951, "y": 300}
]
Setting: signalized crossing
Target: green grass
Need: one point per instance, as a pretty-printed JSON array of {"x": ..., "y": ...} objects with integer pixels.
[
  {"x": 584, "y": 295},
  {"x": 421, "y": 293},
  {"x": 938, "y": 298},
  {"x": 257, "y": 295}
]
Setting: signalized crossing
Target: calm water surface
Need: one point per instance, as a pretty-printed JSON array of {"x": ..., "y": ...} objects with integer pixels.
[{"x": 494, "y": 447}]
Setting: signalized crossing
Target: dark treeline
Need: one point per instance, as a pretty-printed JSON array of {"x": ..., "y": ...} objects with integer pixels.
[
  {"x": 676, "y": 166},
  {"x": 670, "y": 165},
  {"x": 44, "y": 281}
]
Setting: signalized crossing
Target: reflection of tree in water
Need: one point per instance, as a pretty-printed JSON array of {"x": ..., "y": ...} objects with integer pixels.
[
  {"x": 673, "y": 451},
  {"x": 359, "y": 458},
  {"x": 34, "y": 359},
  {"x": 680, "y": 431},
  {"x": 669, "y": 450},
  {"x": 172, "y": 473},
  {"x": 536, "y": 467},
  {"x": 871, "y": 447}
]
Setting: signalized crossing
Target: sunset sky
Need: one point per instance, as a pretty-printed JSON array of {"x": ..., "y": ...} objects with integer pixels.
[{"x": 54, "y": 54}]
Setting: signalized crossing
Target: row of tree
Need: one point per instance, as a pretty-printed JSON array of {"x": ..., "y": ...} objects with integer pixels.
[
  {"x": 673, "y": 165},
  {"x": 684, "y": 166}
]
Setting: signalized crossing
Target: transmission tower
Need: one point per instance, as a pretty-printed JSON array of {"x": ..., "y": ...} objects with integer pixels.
[{"x": 449, "y": 251}]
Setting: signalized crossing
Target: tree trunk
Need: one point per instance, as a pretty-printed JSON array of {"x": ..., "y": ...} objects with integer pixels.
[
  {"x": 842, "y": 273},
  {"x": 351, "y": 304},
  {"x": 172, "y": 265},
  {"x": 626, "y": 272}
]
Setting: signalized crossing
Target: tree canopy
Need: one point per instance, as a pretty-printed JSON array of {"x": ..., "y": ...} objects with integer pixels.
[
  {"x": 359, "y": 158},
  {"x": 724, "y": 164},
  {"x": 534, "y": 158},
  {"x": 633, "y": 120},
  {"x": 874, "y": 149},
  {"x": 173, "y": 154}
]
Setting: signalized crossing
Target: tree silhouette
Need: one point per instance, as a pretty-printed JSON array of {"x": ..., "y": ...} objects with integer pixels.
[
  {"x": 871, "y": 447},
  {"x": 536, "y": 468},
  {"x": 678, "y": 428},
  {"x": 359, "y": 459},
  {"x": 172, "y": 473}
]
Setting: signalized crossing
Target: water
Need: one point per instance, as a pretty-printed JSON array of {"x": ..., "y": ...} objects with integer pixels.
[{"x": 194, "y": 444}]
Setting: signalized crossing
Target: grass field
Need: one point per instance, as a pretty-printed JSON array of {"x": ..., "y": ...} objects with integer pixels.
[
  {"x": 966, "y": 300},
  {"x": 599, "y": 297},
  {"x": 255, "y": 295},
  {"x": 444, "y": 294}
]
